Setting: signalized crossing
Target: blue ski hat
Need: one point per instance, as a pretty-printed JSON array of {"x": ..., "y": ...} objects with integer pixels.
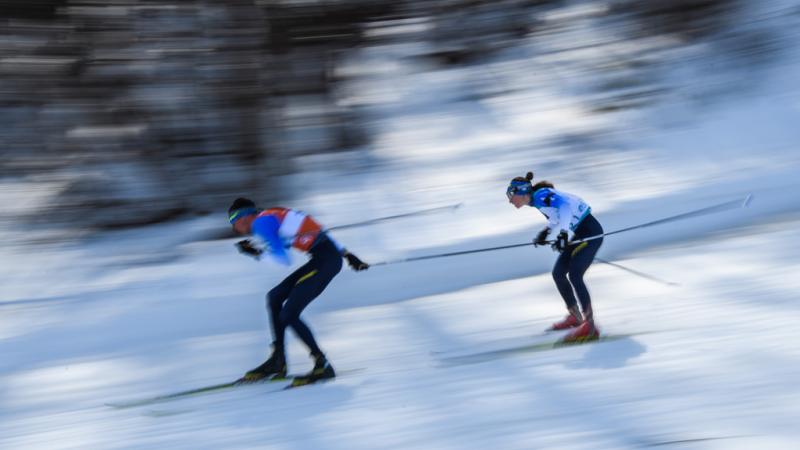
[
  {"x": 241, "y": 207},
  {"x": 520, "y": 185}
]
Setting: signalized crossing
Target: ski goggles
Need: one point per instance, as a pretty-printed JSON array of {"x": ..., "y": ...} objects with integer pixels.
[
  {"x": 519, "y": 188},
  {"x": 239, "y": 213}
]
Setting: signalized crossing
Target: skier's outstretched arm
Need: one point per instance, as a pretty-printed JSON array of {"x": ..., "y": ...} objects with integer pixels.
[
  {"x": 266, "y": 228},
  {"x": 352, "y": 260}
]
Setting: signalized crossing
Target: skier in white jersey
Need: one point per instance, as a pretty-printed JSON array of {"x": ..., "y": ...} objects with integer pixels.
[{"x": 569, "y": 219}]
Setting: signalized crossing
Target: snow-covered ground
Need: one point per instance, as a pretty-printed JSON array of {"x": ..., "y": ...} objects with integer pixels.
[{"x": 709, "y": 363}]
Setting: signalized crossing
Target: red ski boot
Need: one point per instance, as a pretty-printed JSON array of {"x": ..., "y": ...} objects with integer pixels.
[
  {"x": 571, "y": 321},
  {"x": 584, "y": 333}
]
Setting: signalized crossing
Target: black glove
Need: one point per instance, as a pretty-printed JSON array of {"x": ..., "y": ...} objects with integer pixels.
[
  {"x": 541, "y": 238},
  {"x": 247, "y": 248},
  {"x": 561, "y": 242},
  {"x": 355, "y": 263}
]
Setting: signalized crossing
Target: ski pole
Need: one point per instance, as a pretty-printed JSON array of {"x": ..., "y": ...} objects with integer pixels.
[
  {"x": 443, "y": 255},
  {"x": 636, "y": 272},
  {"x": 619, "y": 266},
  {"x": 711, "y": 209},
  {"x": 383, "y": 219},
  {"x": 696, "y": 213},
  {"x": 397, "y": 216}
]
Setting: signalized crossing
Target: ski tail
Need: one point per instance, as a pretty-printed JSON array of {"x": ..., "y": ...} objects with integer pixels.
[
  {"x": 278, "y": 383},
  {"x": 477, "y": 358},
  {"x": 188, "y": 393}
]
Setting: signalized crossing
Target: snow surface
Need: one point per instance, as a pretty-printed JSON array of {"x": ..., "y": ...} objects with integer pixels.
[{"x": 710, "y": 363}]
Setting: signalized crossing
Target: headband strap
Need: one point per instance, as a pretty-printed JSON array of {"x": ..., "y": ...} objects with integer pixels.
[{"x": 239, "y": 213}]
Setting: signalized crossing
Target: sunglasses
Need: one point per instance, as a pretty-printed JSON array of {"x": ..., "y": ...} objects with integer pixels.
[{"x": 518, "y": 190}]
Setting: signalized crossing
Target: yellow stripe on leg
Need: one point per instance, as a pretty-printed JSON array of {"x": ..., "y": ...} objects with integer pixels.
[
  {"x": 306, "y": 276},
  {"x": 579, "y": 248}
]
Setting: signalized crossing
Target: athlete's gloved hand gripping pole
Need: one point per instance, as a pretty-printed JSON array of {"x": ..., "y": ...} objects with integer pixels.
[
  {"x": 354, "y": 262},
  {"x": 541, "y": 238},
  {"x": 561, "y": 242},
  {"x": 246, "y": 247}
]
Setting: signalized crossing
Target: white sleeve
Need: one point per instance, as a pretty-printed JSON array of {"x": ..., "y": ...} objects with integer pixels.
[
  {"x": 564, "y": 216},
  {"x": 553, "y": 221}
]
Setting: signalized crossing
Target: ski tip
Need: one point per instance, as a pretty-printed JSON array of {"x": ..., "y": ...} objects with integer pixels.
[{"x": 747, "y": 201}]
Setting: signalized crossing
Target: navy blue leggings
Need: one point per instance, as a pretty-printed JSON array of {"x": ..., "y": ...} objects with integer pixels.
[
  {"x": 573, "y": 263},
  {"x": 289, "y": 298}
]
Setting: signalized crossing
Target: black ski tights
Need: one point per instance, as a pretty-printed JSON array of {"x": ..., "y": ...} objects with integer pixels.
[
  {"x": 288, "y": 299},
  {"x": 573, "y": 263}
]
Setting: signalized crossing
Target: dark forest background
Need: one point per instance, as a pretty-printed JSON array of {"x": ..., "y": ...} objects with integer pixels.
[{"x": 152, "y": 110}]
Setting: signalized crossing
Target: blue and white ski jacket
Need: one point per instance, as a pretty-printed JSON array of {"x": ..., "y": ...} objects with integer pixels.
[{"x": 564, "y": 211}]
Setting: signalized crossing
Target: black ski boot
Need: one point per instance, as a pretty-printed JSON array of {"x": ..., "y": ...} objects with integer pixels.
[
  {"x": 322, "y": 371},
  {"x": 273, "y": 368}
]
